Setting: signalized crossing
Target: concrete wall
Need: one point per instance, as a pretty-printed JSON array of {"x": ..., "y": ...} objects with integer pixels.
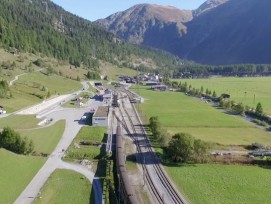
[{"x": 100, "y": 121}]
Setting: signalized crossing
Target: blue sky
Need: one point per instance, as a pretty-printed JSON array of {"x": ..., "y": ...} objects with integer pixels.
[{"x": 96, "y": 9}]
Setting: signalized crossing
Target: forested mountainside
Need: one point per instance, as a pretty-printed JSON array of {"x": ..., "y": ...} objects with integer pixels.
[{"x": 40, "y": 26}]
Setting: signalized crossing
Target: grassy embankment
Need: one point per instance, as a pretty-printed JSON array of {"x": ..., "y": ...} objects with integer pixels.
[
  {"x": 28, "y": 90},
  {"x": 243, "y": 90},
  {"x": 91, "y": 135},
  {"x": 16, "y": 171},
  {"x": 66, "y": 186},
  {"x": 112, "y": 71},
  {"x": 45, "y": 139},
  {"x": 209, "y": 183},
  {"x": 52, "y": 191}
]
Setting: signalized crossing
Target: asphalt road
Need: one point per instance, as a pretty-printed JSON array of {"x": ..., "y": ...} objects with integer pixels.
[{"x": 73, "y": 125}]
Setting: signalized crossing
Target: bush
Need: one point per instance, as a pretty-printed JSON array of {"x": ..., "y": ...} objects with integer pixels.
[
  {"x": 260, "y": 122},
  {"x": 184, "y": 148}
]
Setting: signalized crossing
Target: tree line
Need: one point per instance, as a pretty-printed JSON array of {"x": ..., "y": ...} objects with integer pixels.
[
  {"x": 192, "y": 70},
  {"x": 223, "y": 101}
]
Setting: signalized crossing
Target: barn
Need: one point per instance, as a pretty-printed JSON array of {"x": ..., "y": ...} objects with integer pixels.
[{"x": 100, "y": 117}]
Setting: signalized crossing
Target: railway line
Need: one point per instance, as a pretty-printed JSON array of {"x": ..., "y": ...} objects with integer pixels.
[{"x": 160, "y": 186}]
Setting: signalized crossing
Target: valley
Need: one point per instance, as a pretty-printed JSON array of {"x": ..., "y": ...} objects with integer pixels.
[{"x": 152, "y": 104}]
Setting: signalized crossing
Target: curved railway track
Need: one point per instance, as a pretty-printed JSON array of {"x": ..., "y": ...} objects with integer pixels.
[{"x": 166, "y": 192}]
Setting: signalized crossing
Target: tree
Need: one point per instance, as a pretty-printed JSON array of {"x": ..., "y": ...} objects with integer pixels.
[
  {"x": 214, "y": 94},
  {"x": 12, "y": 141},
  {"x": 239, "y": 109},
  {"x": 259, "y": 109},
  {"x": 180, "y": 147},
  {"x": 201, "y": 150},
  {"x": 154, "y": 126}
]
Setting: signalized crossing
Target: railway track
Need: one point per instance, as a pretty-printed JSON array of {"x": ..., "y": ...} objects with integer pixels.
[{"x": 164, "y": 191}]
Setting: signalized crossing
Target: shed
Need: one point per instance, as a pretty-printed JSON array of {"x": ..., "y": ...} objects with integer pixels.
[{"x": 100, "y": 117}]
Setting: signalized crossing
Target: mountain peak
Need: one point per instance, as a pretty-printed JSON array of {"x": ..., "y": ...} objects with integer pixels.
[
  {"x": 208, "y": 5},
  {"x": 133, "y": 23}
]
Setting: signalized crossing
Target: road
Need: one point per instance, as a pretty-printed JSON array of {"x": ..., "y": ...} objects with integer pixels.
[{"x": 72, "y": 117}]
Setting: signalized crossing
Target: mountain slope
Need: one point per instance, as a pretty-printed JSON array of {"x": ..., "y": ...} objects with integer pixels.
[
  {"x": 219, "y": 32},
  {"x": 147, "y": 24},
  {"x": 41, "y": 26},
  {"x": 207, "y": 6},
  {"x": 236, "y": 32}
]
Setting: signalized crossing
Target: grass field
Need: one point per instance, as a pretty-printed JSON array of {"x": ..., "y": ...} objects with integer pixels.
[
  {"x": 90, "y": 134},
  {"x": 181, "y": 113},
  {"x": 223, "y": 184},
  {"x": 65, "y": 186},
  {"x": 16, "y": 171},
  {"x": 112, "y": 71},
  {"x": 250, "y": 91},
  {"x": 19, "y": 121},
  {"x": 72, "y": 103},
  {"x": 45, "y": 139},
  {"x": 28, "y": 89}
]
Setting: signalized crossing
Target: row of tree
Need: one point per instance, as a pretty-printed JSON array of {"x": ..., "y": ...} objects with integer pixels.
[
  {"x": 12, "y": 141},
  {"x": 195, "y": 70},
  {"x": 181, "y": 147}
]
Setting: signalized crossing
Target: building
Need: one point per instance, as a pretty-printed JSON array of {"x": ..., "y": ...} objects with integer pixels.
[
  {"x": 100, "y": 117},
  {"x": 107, "y": 98},
  {"x": 152, "y": 83},
  {"x": 159, "y": 88}
]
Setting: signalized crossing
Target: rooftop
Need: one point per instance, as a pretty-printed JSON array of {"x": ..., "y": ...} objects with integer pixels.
[{"x": 102, "y": 111}]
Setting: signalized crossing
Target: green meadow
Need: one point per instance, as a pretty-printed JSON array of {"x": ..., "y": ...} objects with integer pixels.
[
  {"x": 248, "y": 90},
  {"x": 45, "y": 139},
  {"x": 65, "y": 186},
  {"x": 209, "y": 183},
  {"x": 181, "y": 113},
  {"x": 88, "y": 134},
  {"x": 222, "y": 184},
  {"x": 19, "y": 121},
  {"x": 16, "y": 171},
  {"x": 32, "y": 88}
]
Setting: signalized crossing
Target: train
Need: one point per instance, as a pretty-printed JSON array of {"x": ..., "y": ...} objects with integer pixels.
[
  {"x": 127, "y": 191},
  {"x": 115, "y": 102}
]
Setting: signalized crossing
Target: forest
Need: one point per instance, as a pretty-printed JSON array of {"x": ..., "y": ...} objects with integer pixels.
[{"x": 43, "y": 27}]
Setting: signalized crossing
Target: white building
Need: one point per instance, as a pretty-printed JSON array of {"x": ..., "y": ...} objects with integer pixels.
[{"x": 100, "y": 117}]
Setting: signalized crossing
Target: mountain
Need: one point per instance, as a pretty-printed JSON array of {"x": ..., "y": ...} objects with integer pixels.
[
  {"x": 41, "y": 26},
  {"x": 218, "y": 32},
  {"x": 148, "y": 24},
  {"x": 207, "y": 6},
  {"x": 237, "y": 31}
]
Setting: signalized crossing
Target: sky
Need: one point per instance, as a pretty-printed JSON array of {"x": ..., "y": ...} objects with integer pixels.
[{"x": 96, "y": 9}]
